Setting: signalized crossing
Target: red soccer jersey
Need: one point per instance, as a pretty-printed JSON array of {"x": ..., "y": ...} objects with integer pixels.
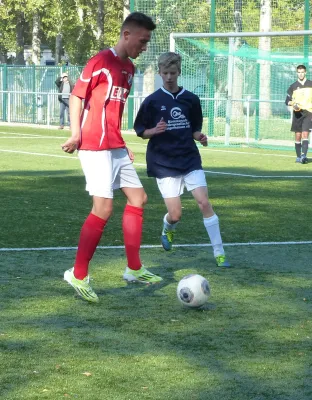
[{"x": 104, "y": 84}]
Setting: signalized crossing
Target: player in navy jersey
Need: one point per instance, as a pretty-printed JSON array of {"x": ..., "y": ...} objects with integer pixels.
[
  {"x": 171, "y": 118},
  {"x": 302, "y": 118},
  {"x": 104, "y": 86}
]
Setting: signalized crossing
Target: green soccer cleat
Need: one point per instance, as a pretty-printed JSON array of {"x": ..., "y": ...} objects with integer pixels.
[
  {"x": 222, "y": 261},
  {"x": 82, "y": 287},
  {"x": 141, "y": 275},
  {"x": 167, "y": 239}
]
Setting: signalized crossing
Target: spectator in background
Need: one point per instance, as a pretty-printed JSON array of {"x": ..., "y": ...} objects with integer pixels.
[
  {"x": 65, "y": 87},
  {"x": 299, "y": 96}
]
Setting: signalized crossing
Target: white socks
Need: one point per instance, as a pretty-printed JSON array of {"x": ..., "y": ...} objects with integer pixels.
[
  {"x": 169, "y": 227},
  {"x": 213, "y": 230}
]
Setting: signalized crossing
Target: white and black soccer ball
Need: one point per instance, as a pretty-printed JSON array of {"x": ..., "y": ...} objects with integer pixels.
[{"x": 193, "y": 290}]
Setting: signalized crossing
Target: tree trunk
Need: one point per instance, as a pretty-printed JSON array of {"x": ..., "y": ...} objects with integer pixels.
[
  {"x": 265, "y": 67},
  {"x": 3, "y": 55},
  {"x": 100, "y": 24},
  {"x": 36, "y": 39},
  {"x": 58, "y": 48},
  {"x": 126, "y": 10},
  {"x": 148, "y": 81},
  {"x": 20, "y": 23},
  {"x": 237, "y": 106}
]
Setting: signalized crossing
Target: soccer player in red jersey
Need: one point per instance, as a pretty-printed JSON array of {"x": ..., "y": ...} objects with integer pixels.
[{"x": 104, "y": 85}]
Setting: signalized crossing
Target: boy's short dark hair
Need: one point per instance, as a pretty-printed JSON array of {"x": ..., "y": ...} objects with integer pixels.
[
  {"x": 169, "y": 59},
  {"x": 301, "y": 66},
  {"x": 140, "y": 20}
]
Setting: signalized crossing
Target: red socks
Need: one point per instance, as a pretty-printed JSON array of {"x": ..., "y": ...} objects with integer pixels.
[
  {"x": 91, "y": 233},
  {"x": 132, "y": 225},
  {"x": 90, "y": 236}
]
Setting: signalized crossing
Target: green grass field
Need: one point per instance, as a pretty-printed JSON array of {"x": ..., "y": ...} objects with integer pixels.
[{"x": 252, "y": 341}]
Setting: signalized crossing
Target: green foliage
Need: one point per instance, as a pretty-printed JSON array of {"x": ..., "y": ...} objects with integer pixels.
[
  {"x": 195, "y": 16},
  {"x": 76, "y": 21}
]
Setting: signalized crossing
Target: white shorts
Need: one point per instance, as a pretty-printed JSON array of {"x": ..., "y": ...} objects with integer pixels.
[
  {"x": 107, "y": 170},
  {"x": 174, "y": 186}
]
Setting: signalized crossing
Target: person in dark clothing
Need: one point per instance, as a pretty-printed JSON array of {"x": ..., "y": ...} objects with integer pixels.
[
  {"x": 65, "y": 87},
  {"x": 171, "y": 118},
  {"x": 299, "y": 96}
]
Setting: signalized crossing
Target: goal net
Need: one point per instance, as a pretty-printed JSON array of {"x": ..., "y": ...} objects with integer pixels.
[
  {"x": 242, "y": 81},
  {"x": 260, "y": 68}
]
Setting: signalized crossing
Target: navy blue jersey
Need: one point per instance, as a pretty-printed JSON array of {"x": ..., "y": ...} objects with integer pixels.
[{"x": 173, "y": 152}]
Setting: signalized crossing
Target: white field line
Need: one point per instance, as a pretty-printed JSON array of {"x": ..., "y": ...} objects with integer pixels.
[
  {"x": 152, "y": 246},
  {"x": 30, "y": 135},
  {"x": 230, "y": 151},
  {"x": 38, "y": 154},
  {"x": 143, "y": 165},
  {"x": 144, "y": 144},
  {"x": 258, "y": 176},
  {"x": 34, "y": 137}
]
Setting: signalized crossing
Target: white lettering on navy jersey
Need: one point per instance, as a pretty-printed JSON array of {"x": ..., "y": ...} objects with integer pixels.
[{"x": 179, "y": 120}]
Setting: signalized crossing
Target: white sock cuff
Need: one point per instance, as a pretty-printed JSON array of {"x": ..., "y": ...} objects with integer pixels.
[
  {"x": 168, "y": 225},
  {"x": 165, "y": 219},
  {"x": 214, "y": 220}
]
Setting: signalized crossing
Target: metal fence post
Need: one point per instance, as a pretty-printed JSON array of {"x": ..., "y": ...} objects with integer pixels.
[
  {"x": 257, "y": 103},
  {"x": 48, "y": 110},
  {"x": 34, "y": 102},
  {"x": 229, "y": 92},
  {"x": 247, "y": 119},
  {"x": 9, "y": 106},
  {"x": 5, "y": 88}
]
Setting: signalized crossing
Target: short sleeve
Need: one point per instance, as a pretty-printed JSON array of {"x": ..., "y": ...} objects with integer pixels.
[
  {"x": 88, "y": 78},
  {"x": 196, "y": 116}
]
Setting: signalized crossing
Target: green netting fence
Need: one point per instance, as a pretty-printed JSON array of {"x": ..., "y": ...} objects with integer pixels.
[
  {"x": 242, "y": 89},
  {"x": 29, "y": 94}
]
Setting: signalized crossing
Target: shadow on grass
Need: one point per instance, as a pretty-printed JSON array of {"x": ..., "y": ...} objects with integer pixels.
[{"x": 250, "y": 342}]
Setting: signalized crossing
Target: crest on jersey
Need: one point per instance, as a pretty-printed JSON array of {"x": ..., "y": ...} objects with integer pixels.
[{"x": 176, "y": 113}]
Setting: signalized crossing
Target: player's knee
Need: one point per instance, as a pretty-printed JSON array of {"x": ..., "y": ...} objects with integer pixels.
[
  {"x": 175, "y": 215},
  {"x": 103, "y": 210},
  {"x": 140, "y": 201},
  {"x": 205, "y": 206}
]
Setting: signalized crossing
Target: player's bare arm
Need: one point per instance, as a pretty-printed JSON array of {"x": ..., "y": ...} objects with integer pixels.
[
  {"x": 130, "y": 154},
  {"x": 201, "y": 138},
  {"x": 161, "y": 127},
  {"x": 72, "y": 143}
]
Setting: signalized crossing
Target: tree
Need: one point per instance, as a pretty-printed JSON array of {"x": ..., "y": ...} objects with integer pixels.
[{"x": 36, "y": 52}]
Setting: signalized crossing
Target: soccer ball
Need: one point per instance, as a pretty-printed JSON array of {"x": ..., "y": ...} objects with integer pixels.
[{"x": 193, "y": 290}]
